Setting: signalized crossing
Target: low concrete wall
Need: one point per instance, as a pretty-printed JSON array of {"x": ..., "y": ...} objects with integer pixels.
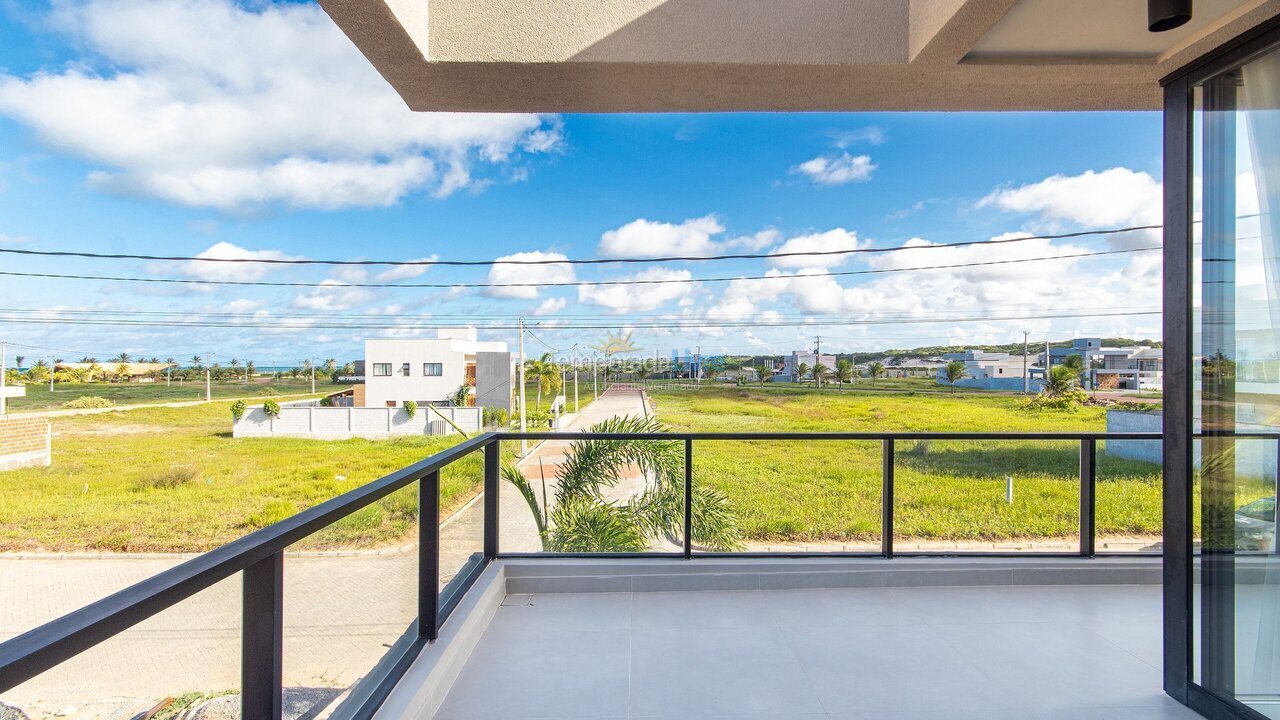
[
  {"x": 25, "y": 442},
  {"x": 1013, "y": 384},
  {"x": 1254, "y": 457},
  {"x": 336, "y": 423}
]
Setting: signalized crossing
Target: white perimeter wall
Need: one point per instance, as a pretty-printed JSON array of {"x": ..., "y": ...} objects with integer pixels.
[{"x": 336, "y": 423}]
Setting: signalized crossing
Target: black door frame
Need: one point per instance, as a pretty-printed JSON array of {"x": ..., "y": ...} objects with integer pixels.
[{"x": 1179, "y": 557}]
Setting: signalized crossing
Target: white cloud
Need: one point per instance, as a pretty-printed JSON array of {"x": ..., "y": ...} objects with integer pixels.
[
  {"x": 755, "y": 242},
  {"x": 1111, "y": 198},
  {"x": 333, "y": 295},
  {"x": 647, "y": 238},
  {"x": 507, "y": 274},
  {"x": 835, "y": 239},
  {"x": 550, "y": 306},
  {"x": 870, "y": 134},
  {"x": 639, "y": 298},
  {"x": 405, "y": 272},
  {"x": 237, "y": 271},
  {"x": 836, "y": 169},
  {"x": 207, "y": 103}
]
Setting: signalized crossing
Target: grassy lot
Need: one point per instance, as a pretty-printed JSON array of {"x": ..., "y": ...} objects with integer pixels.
[
  {"x": 815, "y": 491},
  {"x": 38, "y": 396},
  {"x": 172, "y": 479}
]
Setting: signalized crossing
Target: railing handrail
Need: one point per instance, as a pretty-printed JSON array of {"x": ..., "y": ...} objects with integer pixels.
[
  {"x": 43, "y": 647},
  {"x": 884, "y": 435}
]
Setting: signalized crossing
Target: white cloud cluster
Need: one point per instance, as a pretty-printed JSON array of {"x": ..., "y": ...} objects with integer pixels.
[
  {"x": 407, "y": 272},
  {"x": 508, "y": 274},
  {"x": 838, "y": 169},
  {"x": 236, "y": 271},
  {"x": 834, "y": 240},
  {"x": 1118, "y": 197},
  {"x": 640, "y": 298},
  {"x": 333, "y": 295},
  {"x": 649, "y": 238},
  {"x": 208, "y": 103}
]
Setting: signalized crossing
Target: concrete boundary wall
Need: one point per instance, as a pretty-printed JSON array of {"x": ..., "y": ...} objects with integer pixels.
[
  {"x": 1255, "y": 457},
  {"x": 25, "y": 442},
  {"x": 340, "y": 423}
]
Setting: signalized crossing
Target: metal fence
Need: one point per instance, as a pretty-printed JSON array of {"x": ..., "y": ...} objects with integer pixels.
[{"x": 260, "y": 556}]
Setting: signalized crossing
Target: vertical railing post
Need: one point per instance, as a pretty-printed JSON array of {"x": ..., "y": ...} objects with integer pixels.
[
  {"x": 688, "y": 498},
  {"x": 262, "y": 640},
  {"x": 886, "y": 498},
  {"x": 1088, "y": 482},
  {"x": 491, "y": 460},
  {"x": 429, "y": 556}
]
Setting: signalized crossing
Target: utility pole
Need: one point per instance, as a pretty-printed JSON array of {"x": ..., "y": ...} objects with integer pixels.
[
  {"x": 698, "y": 358},
  {"x": 313, "y": 376},
  {"x": 4, "y": 368},
  {"x": 208, "y": 383},
  {"x": 817, "y": 376},
  {"x": 595, "y": 371},
  {"x": 524, "y": 444},
  {"x": 1026, "y": 382},
  {"x": 574, "y": 352},
  {"x": 51, "y": 366}
]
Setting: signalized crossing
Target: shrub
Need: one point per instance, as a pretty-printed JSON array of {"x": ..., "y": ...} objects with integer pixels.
[
  {"x": 495, "y": 417},
  {"x": 271, "y": 408},
  {"x": 1068, "y": 401},
  {"x": 88, "y": 401},
  {"x": 237, "y": 409},
  {"x": 410, "y": 408},
  {"x": 326, "y": 401},
  {"x": 272, "y": 513},
  {"x": 1139, "y": 407},
  {"x": 175, "y": 476}
]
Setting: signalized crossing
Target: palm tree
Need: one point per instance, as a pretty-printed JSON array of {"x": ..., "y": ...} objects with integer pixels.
[
  {"x": 953, "y": 372},
  {"x": 844, "y": 370},
  {"x": 17, "y": 360},
  {"x": 766, "y": 374},
  {"x": 197, "y": 362},
  {"x": 1060, "y": 381},
  {"x": 820, "y": 372},
  {"x": 875, "y": 370},
  {"x": 123, "y": 357},
  {"x": 801, "y": 370},
  {"x": 578, "y": 518},
  {"x": 249, "y": 369},
  {"x": 642, "y": 372},
  {"x": 546, "y": 374}
]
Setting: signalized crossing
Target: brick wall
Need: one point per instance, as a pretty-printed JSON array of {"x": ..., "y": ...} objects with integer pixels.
[{"x": 24, "y": 442}]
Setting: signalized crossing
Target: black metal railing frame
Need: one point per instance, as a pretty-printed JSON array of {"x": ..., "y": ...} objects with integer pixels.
[{"x": 260, "y": 557}]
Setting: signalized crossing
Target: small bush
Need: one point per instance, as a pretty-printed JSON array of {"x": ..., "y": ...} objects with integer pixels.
[
  {"x": 176, "y": 476},
  {"x": 272, "y": 513},
  {"x": 237, "y": 409},
  {"x": 271, "y": 408},
  {"x": 1069, "y": 401},
  {"x": 1138, "y": 407},
  {"x": 88, "y": 401},
  {"x": 326, "y": 401},
  {"x": 410, "y": 408},
  {"x": 496, "y": 417}
]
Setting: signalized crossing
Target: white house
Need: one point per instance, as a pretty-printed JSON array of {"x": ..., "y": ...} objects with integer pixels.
[{"x": 430, "y": 371}]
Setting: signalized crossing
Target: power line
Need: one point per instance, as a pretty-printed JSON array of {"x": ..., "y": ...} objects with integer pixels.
[
  {"x": 579, "y": 283},
  {"x": 566, "y": 261},
  {"x": 693, "y": 324}
]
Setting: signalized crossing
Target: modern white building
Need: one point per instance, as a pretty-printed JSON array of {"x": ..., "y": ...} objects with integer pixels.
[{"x": 430, "y": 371}]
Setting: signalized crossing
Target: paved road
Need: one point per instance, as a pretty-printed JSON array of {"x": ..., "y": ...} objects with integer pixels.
[{"x": 341, "y": 611}]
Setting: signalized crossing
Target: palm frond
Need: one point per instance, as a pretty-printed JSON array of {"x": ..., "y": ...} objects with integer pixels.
[
  {"x": 512, "y": 474},
  {"x": 584, "y": 524}
]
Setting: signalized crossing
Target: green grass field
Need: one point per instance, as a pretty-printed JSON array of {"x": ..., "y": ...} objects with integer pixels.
[
  {"x": 38, "y": 396},
  {"x": 173, "y": 479},
  {"x": 826, "y": 491}
]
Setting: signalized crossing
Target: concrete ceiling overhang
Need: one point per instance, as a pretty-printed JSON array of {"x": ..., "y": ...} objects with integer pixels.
[{"x": 784, "y": 55}]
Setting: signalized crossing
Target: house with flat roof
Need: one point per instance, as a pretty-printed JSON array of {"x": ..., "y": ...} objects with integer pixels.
[{"x": 430, "y": 371}]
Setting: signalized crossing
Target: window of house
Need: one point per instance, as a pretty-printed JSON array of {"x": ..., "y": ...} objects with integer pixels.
[
  {"x": 433, "y": 369},
  {"x": 404, "y": 369},
  {"x": 382, "y": 369}
]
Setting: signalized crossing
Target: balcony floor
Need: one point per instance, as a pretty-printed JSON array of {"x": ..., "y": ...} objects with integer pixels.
[{"x": 989, "y": 653}]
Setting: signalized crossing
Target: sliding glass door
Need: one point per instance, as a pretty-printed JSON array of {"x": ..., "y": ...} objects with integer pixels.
[{"x": 1230, "y": 593}]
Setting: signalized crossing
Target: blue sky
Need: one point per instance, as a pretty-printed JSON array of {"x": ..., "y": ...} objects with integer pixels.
[{"x": 182, "y": 127}]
